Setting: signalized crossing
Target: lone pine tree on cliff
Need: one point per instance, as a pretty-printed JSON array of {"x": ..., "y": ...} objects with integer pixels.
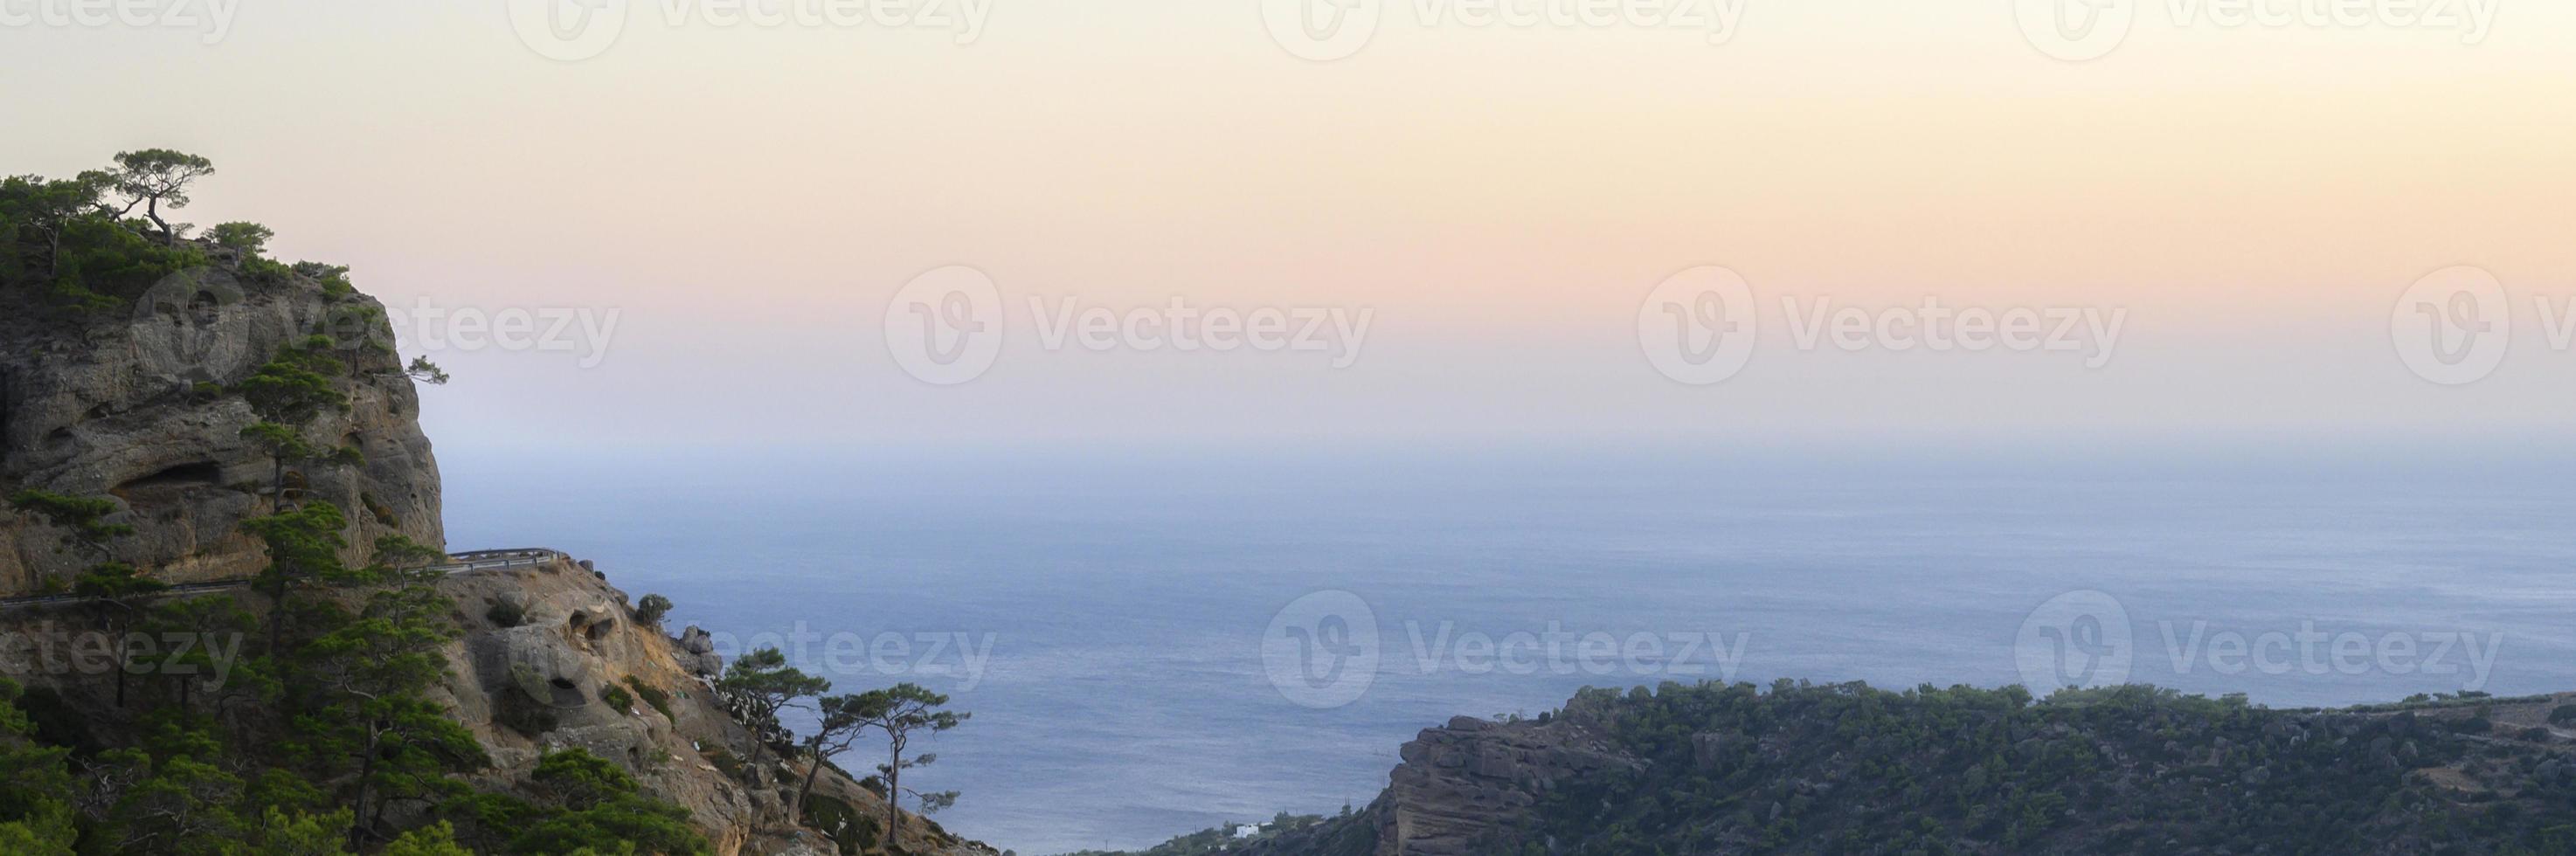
[
  {"x": 761, "y": 684},
  {"x": 902, "y": 712},
  {"x": 154, "y": 178}
]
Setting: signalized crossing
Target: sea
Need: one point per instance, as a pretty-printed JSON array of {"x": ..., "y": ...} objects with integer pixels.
[{"x": 1152, "y": 642}]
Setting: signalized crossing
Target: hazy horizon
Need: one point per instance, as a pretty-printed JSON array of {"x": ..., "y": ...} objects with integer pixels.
[{"x": 1172, "y": 371}]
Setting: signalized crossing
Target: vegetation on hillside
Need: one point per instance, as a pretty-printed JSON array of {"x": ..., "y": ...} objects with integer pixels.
[
  {"x": 313, "y": 729},
  {"x": 760, "y": 684},
  {"x": 1846, "y": 768}
]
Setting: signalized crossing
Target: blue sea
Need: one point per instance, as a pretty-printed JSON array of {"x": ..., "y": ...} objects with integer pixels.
[{"x": 1104, "y": 614}]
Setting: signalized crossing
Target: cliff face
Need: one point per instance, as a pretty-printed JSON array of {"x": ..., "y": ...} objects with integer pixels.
[
  {"x": 543, "y": 682},
  {"x": 1468, "y": 788},
  {"x": 141, "y": 406},
  {"x": 125, "y": 407}
]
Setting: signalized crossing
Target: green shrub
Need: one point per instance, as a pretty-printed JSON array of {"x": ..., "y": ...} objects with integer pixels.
[
  {"x": 334, "y": 278},
  {"x": 652, "y": 695},
  {"x": 104, "y": 265},
  {"x": 617, "y": 697},
  {"x": 2562, "y": 714},
  {"x": 250, "y": 238},
  {"x": 725, "y": 762},
  {"x": 650, "y": 610},
  {"x": 852, "y": 831},
  {"x": 506, "y": 614}
]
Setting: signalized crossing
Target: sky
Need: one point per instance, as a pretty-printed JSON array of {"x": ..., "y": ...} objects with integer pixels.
[{"x": 1707, "y": 223}]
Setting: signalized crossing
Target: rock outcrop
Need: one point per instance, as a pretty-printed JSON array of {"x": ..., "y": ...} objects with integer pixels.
[
  {"x": 1465, "y": 789},
  {"x": 135, "y": 407},
  {"x": 545, "y": 681}
]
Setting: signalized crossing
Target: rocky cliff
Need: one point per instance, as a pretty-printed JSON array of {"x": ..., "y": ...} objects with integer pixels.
[
  {"x": 143, "y": 405},
  {"x": 544, "y": 682},
  {"x": 1467, "y": 789},
  {"x": 127, "y": 404},
  {"x": 564, "y": 664}
]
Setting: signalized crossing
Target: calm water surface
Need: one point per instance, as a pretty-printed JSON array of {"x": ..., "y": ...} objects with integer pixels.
[{"x": 1111, "y": 611}]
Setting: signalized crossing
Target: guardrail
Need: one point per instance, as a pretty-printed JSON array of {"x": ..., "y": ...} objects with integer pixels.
[
  {"x": 484, "y": 560},
  {"x": 459, "y": 563}
]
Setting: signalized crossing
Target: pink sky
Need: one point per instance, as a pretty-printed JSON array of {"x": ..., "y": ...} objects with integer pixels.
[{"x": 748, "y": 199}]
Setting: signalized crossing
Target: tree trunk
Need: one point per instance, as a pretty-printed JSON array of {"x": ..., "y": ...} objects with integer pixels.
[
  {"x": 366, "y": 770},
  {"x": 811, "y": 773},
  {"x": 152, "y": 210},
  {"x": 277, "y": 617},
  {"x": 894, "y": 798}
]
